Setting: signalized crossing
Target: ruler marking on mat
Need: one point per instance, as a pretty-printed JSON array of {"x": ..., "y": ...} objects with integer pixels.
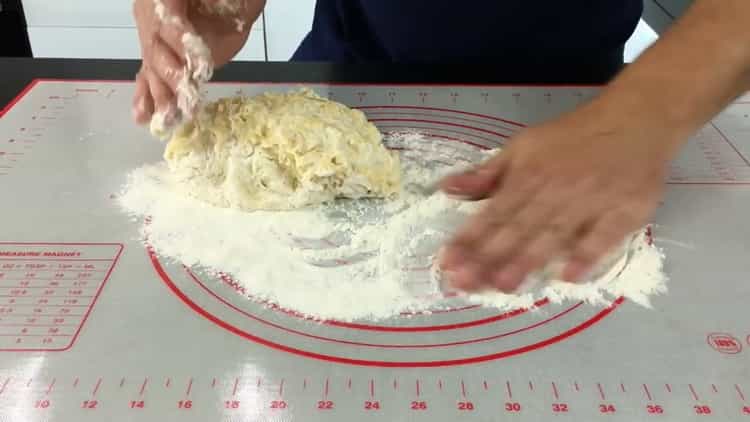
[
  {"x": 693, "y": 393},
  {"x": 96, "y": 387},
  {"x": 648, "y": 392}
]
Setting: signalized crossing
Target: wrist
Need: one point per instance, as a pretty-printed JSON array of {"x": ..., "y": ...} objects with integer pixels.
[{"x": 638, "y": 118}]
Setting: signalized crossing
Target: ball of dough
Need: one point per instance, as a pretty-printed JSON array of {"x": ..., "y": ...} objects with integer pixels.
[{"x": 281, "y": 151}]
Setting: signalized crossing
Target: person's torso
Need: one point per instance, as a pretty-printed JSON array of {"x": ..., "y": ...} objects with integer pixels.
[{"x": 504, "y": 31}]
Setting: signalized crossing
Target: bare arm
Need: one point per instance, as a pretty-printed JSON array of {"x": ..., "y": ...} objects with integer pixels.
[
  {"x": 692, "y": 73},
  {"x": 223, "y": 26},
  {"x": 576, "y": 186}
]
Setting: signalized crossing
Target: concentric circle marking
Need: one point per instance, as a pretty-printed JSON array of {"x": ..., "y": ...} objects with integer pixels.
[{"x": 458, "y": 336}]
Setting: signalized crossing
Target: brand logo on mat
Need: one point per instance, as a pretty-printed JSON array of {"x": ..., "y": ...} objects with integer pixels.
[{"x": 724, "y": 343}]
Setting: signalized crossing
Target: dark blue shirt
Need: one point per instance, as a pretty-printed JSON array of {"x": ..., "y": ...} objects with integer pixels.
[{"x": 520, "y": 33}]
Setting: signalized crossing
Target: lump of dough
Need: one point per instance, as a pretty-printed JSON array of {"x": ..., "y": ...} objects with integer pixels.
[{"x": 281, "y": 151}]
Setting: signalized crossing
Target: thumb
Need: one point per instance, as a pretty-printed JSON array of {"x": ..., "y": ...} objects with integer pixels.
[{"x": 479, "y": 182}]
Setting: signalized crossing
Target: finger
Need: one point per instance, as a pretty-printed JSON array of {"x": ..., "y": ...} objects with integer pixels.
[
  {"x": 494, "y": 214},
  {"x": 164, "y": 101},
  {"x": 465, "y": 249},
  {"x": 147, "y": 24},
  {"x": 172, "y": 35},
  {"x": 143, "y": 104},
  {"x": 165, "y": 63},
  {"x": 190, "y": 48},
  {"x": 499, "y": 209},
  {"x": 166, "y": 20},
  {"x": 552, "y": 237},
  {"x": 172, "y": 12},
  {"x": 604, "y": 235},
  {"x": 467, "y": 277},
  {"x": 539, "y": 252},
  {"x": 513, "y": 238},
  {"x": 478, "y": 182}
]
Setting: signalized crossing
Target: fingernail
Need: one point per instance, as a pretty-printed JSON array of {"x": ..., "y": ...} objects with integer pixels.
[
  {"x": 171, "y": 115},
  {"x": 451, "y": 188},
  {"x": 440, "y": 258},
  {"x": 135, "y": 113},
  {"x": 508, "y": 278},
  {"x": 454, "y": 191},
  {"x": 457, "y": 197},
  {"x": 527, "y": 285},
  {"x": 574, "y": 272},
  {"x": 463, "y": 277},
  {"x": 588, "y": 275},
  {"x": 446, "y": 281},
  {"x": 139, "y": 111},
  {"x": 139, "y": 104},
  {"x": 449, "y": 258},
  {"x": 483, "y": 172}
]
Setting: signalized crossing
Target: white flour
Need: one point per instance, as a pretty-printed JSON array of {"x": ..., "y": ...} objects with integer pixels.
[{"x": 364, "y": 259}]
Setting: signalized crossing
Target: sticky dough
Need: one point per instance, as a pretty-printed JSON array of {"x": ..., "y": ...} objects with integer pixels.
[{"x": 281, "y": 151}]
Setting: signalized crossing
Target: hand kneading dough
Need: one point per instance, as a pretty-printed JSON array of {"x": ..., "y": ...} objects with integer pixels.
[{"x": 281, "y": 151}]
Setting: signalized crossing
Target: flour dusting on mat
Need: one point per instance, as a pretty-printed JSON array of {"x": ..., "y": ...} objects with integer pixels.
[{"x": 353, "y": 259}]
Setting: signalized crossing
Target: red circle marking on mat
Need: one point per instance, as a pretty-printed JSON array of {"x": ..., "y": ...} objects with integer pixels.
[
  {"x": 486, "y": 116},
  {"x": 538, "y": 345},
  {"x": 435, "y": 122},
  {"x": 230, "y": 282},
  {"x": 383, "y": 328},
  {"x": 436, "y": 116},
  {"x": 433, "y": 135},
  {"x": 384, "y": 346},
  {"x": 423, "y": 131},
  {"x": 468, "y": 324},
  {"x": 363, "y": 362}
]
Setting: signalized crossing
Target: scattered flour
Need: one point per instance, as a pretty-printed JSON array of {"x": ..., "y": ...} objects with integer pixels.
[{"x": 363, "y": 259}]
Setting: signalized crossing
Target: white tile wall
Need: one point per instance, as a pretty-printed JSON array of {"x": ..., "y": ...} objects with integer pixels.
[
  {"x": 643, "y": 37},
  {"x": 287, "y": 23},
  {"x": 110, "y": 43},
  {"x": 79, "y": 13},
  {"x": 99, "y": 29},
  {"x": 83, "y": 13}
]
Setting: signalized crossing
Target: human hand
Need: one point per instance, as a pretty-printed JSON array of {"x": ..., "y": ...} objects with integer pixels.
[
  {"x": 162, "y": 25},
  {"x": 572, "y": 188}
]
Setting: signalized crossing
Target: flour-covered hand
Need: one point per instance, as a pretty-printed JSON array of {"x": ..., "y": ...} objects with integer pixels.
[
  {"x": 162, "y": 25},
  {"x": 572, "y": 188}
]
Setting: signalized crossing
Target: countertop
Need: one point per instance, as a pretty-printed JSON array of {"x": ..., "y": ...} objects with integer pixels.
[{"x": 16, "y": 73}]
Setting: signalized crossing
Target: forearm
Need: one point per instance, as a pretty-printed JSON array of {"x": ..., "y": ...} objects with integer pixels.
[{"x": 688, "y": 76}]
